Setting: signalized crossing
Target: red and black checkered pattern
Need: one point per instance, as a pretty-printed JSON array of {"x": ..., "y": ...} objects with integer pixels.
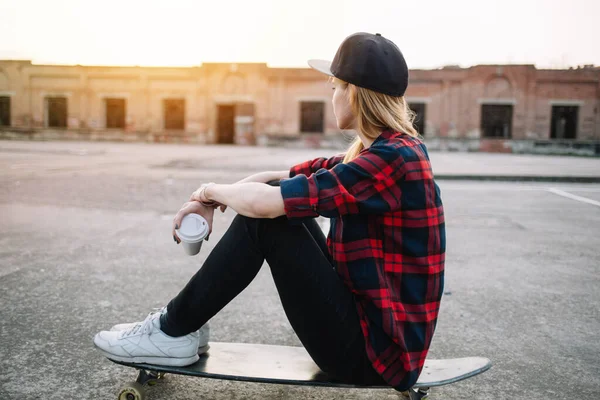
[{"x": 387, "y": 238}]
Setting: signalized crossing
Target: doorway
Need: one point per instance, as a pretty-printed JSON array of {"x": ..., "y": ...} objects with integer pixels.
[
  {"x": 496, "y": 121},
  {"x": 312, "y": 116},
  {"x": 174, "y": 114},
  {"x": 56, "y": 112},
  {"x": 225, "y": 123},
  {"x": 115, "y": 113},
  {"x": 5, "y": 111},
  {"x": 564, "y": 122}
]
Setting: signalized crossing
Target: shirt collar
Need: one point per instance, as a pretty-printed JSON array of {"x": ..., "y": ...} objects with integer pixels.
[{"x": 386, "y": 134}]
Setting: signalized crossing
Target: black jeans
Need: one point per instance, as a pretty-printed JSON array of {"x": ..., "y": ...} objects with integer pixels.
[{"x": 320, "y": 308}]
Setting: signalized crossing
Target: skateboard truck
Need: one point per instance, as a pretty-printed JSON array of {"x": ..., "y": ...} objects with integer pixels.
[
  {"x": 135, "y": 390},
  {"x": 418, "y": 394}
]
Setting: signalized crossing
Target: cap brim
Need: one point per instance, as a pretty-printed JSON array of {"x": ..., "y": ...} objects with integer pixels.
[{"x": 323, "y": 66}]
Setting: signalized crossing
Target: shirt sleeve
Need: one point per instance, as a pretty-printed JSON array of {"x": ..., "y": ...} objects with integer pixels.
[
  {"x": 368, "y": 184},
  {"x": 311, "y": 166}
]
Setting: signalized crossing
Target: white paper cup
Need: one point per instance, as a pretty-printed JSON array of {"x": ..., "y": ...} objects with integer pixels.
[{"x": 192, "y": 232}]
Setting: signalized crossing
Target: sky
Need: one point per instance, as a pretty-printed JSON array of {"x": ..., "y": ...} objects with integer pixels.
[{"x": 282, "y": 33}]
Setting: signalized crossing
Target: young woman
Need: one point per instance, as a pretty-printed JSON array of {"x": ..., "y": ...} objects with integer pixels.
[{"x": 364, "y": 301}]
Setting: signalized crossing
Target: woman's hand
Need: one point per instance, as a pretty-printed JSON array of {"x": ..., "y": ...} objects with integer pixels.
[
  {"x": 200, "y": 196},
  {"x": 196, "y": 208}
]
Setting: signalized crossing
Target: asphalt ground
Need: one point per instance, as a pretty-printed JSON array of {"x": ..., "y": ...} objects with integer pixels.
[{"x": 85, "y": 242}]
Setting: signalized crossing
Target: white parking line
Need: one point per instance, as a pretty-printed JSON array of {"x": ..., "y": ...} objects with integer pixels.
[
  {"x": 584, "y": 189},
  {"x": 516, "y": 187},
  {"x": 574, "y": 197}
]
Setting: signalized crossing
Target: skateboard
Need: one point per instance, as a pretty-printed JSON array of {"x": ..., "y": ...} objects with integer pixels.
[{"x": 288, "y": 365}]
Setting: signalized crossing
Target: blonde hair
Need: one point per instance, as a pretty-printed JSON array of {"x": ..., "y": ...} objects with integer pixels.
[{"x": 374, "y": 113}]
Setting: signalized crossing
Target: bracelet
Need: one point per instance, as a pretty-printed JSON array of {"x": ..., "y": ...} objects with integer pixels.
[{"x": 202, "y": 193}]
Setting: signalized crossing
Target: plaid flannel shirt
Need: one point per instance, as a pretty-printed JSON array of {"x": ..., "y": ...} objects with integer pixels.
[{"x": 387, "y": 238}]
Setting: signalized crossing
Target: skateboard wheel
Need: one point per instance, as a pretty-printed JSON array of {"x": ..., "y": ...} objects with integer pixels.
[{"x": 133, "y": 391}]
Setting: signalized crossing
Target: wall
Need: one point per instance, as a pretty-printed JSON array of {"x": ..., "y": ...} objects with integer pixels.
[{"x": 453, "y": 97}]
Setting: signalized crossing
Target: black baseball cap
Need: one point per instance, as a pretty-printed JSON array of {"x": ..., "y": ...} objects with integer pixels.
[{"x": 369, "y": 61}]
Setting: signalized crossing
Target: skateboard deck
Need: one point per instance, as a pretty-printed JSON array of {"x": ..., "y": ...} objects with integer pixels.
[{"x": 294, "y": 366}]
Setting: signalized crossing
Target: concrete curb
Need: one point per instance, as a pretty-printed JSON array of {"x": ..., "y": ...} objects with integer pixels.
[{"x": 518, "y": 178}]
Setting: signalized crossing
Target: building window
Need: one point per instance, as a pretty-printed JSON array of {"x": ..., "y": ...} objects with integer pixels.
[
  {"x": 57, "y": 112},
  {"x": 174, "y": 113},
  {"x": 312, "y": 115},
  {"x": 115, "y": 113},
  {"x": 5, "y": 111},
  {"x": 564, "y": 122},
  {"x": 496, "y": 121},
  {"x": 419, "y": 122}
]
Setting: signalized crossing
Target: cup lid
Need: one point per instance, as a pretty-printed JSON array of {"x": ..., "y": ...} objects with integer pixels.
[{"x": 193, "y": 228}]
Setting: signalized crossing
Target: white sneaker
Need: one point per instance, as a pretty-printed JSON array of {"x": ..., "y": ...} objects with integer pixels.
[
  {"x": 203, "y": 332},
  {"x": 144, "y": 342}
]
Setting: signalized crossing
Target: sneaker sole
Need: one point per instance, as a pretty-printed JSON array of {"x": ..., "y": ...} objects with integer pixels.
[
  {"x": 203, "y": 349},
  {"x": 166, "y": 361}
]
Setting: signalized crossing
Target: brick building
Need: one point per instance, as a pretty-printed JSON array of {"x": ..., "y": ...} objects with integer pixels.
[{"x": 237, "y": 103}]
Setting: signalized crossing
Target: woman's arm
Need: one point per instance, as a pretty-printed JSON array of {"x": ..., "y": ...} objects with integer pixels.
[
  {"x": 251, "y": 199},
  {"x": 266, "y": 176}
]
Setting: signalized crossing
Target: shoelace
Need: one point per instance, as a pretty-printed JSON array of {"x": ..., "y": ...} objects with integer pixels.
[{"x": 145, "y": 325}]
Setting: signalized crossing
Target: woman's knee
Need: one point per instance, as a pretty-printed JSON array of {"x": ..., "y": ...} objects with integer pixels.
[
  {"x": 262, "y": 228},
  {"x": 270, "y": 234},
  {"x": 281, "y": 220}
]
